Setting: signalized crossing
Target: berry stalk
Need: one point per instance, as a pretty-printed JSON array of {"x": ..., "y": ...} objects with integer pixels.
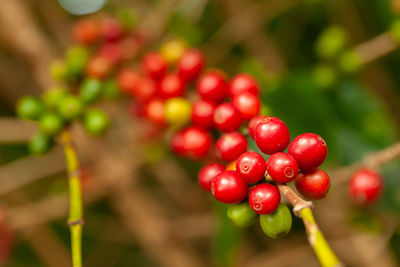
[
  {"x": 75, "y": 219},
  {"x": 303, "y": 210}
]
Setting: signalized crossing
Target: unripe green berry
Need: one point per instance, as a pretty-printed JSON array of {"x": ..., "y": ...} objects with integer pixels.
[
  {"x": 40, "y": 144},
  {"x": 53, "y": 97},
  {"x": 70, "y": 107},
  {"x": 58, "y": 71},
  {"x": 51, "y": 124},
  {"x": 177, "y": 111},
  {"x": 330, "y": 42},
  {"x": 96, "y": 122},
  {"x": 324, "y": 76},
  {"x": 350, "y": 61},
  {"x": 394, "y": 30},
  {"x": 76, "y": 61},
  {"x": 110, "y": 89},
  {"x": 91, "y": 90},
  {"x": 29, "y": 107},
  {"x": 242, "y": 215},
  {"x": 278, "y": 223}
]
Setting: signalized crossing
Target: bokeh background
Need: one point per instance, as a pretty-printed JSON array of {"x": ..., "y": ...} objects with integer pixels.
[{"x": 142, "y": 204}]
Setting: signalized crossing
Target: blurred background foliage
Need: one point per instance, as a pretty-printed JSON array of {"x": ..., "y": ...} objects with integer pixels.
[{"x": 277, "y": 42}]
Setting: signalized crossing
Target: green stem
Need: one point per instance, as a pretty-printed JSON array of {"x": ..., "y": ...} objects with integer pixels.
[{"x": 75, "y": 219}]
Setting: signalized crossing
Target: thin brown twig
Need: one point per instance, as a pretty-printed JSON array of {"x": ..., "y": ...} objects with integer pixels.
[{"x": 376, "y": 47}]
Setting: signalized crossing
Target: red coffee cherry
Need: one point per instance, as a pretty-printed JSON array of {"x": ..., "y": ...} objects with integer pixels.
[
  {"x": 128, "y": 80},
  {"x": 253, "y": 124},
  {"x": 208, "y": 173},
  {"x": 86, "y": 31},
  {"x": 251, "y": 167},
  {"x": 196, "y": 142},
  {"x": 271, "y": 135},
  {"x": 227, "y": 118},
  {"x": 203, "y": 114},
  {"x": 247, "y": 104},
  {"x": 309, "y": 150},
  {"x": 177, "y": 144},
  {"x": 111, "y": 29},
  {"x": 112, "y": 52},
  {"x": 282, "y": 167},
  {"x": 264, "y": 198},
  {"x": 365, "y": 187},
  {"x": 99, "y": 67},
  {"x": 242, "y": 83},
  {"x": 211, "y": 86},
  {"x": 145, "y": 89},
  {"x": 229, "y": 188},
  {"x": 171, "y": 85},
  {"x": 314, "y": 184},
  {"x": 154, "y": 111},
  {"x": 154, "y": 65},
  {"x": 190, "y": 64},
  {"x": 230, "y": 146}
]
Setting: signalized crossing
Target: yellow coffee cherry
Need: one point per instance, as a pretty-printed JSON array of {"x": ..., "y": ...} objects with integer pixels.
[
  {"x": 173, "y": 50},
  {"x": 177, "y": 111}
]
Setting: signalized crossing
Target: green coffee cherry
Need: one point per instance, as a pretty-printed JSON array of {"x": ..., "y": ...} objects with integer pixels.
[
  {"x": 76, "y": 61},
  {"x": 177, "y": 111},
  {"x": 51, "y": 124},
  {"x": 29, "y": 107},
  {"x": 96, "y": 122},
  {"x": 91, "y": 90},
  {"x": 330, "y": 42},
  {"x": 394, "y": 30},
  {"x": 278, "y": 223},
  {"x": 58, "y": 71},
  {"x": 241, "y": 215},
  {"x": 350, "y": 61},
  {"x": 70, "y": 107},
  {"x": 40, "y": 144},
  {"x": 110, "y": 89},
  {"x": 324, "y": 76},
  {"x": 53, "y": 97},
  {"x": 127, "y": 18}
]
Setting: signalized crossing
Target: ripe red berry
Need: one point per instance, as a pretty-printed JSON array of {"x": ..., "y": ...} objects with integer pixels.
[
  {"x": 242, "y": 83},
  {"x": 203, "y": 114},
  {"x": 112, "y": 52},
  {"x": 195, "y": 142},
  {"x": 251, "y": 167},
  {"x": 365, "y": 186},
  {"x": 211, "y": 86},
  {"x": 253, "y": 124},
  {"x": 208, "y": 173},
  {"x": 154, "y": 111},
  {"x": 227, "y": 118},
  {"x": 177, "y": 144},
  {"x": 271, "y": 135},
  {"x": 171, "y": 85},
  {"x": 128, "y": 80},
  {"x": 282, "y": 167},
  {"x": 229, "y": 188},
  {"x": 230, "y": 146},
  {"x": 154, "y": 65},
  {"x": 86, "y": 31},
  {"x": 264, "y": 198},
  {"x": 314, "y": 184},
  {"x": 98, "y": 67},
  {"x": 111, "y": 29},
  {"x": 190, "y": 64},
  {"x": 247, "y": 104},
  {"x": 145, "y": 89},
  {"x": 309, "y": 150}
]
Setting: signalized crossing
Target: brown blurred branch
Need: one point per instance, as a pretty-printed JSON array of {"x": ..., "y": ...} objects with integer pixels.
[
  {"x": 376, "y": 48},
  {"x": 16, "y": 131},
  {"x": 18, "y": 30}
]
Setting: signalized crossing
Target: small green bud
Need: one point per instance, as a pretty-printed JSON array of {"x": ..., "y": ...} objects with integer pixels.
[
  {"x": 40, "y": 144},
  {"x": 70, "y": 107},
  {"x": 58, "y": 71},
  {"x": 51, "y": 124},
  {"x": 30, "y": 108},
  {"x": 278, "y": 223},
  {"x": 96, "y": 122},
  {"x": 91, "y": 90},
  {"x": 350, "y": 61},
  {"x": 53, "y": 97},
  {"x": 331, "y": 41},
  {"x": 110, "y": 89},
  {"x": 324, "y": 76},
  {"x": 241, "y": 214},
  {"x": 76, "y": 60}
]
